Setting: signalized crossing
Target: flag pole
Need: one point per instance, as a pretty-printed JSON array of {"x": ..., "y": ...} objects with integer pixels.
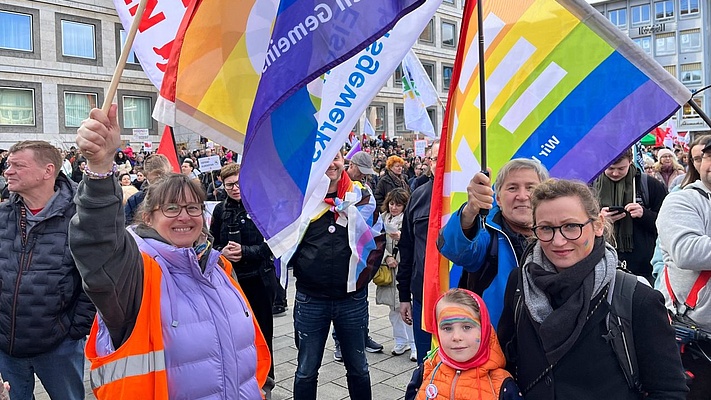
[
  {"x": 482, "y": 96},
  {"x": 698, "y": 109},
  {"x": 124, "y": 57}
]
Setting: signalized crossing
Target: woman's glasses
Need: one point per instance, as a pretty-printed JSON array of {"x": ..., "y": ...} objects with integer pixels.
[
  {"x": 172, "y": 210},
  {"x": 569, "y": 231}
]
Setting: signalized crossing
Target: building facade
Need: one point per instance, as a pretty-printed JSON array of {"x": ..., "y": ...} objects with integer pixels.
[
  {"x": 56, "y": 62},
  {"x": 676, "y": 33},
  {"x": 57, "y": 59}
]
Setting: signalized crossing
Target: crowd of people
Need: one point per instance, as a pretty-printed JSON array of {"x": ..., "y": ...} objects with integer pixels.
[{"x": 567, "y": 289}]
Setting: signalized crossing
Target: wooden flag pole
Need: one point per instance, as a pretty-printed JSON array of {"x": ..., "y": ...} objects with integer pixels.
[{"x": 124, "y": 56}]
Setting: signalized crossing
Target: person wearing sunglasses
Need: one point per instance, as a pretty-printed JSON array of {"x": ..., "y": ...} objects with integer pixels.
[
  {"x": 172, "y": 321},
  {"x": 555, "y": 327}
]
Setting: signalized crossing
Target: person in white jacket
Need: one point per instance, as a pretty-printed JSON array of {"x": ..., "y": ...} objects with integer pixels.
[{"x": 684, "y": 225}]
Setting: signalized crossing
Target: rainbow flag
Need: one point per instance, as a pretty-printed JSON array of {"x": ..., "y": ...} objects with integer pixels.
[
  {"x": 563, "y": 86},
  {"x": 214, "y": 68},
  {"x": 290, "y": 146}
]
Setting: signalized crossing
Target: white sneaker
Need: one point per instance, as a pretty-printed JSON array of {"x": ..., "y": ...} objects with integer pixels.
[
  {"x": 413, "y": 355},
  {"x": 400, "y": 349}
]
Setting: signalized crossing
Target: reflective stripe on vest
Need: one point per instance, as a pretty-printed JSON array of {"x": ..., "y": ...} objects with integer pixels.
[{"x": 141, "y": 364}]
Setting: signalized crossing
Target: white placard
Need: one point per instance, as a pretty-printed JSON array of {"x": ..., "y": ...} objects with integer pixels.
[
  {"x": 211, "y": 163},
  {"x": 147, "y": 146},
  {"x": 140, "y": 134},
  {"x": 420, "y": 146}
]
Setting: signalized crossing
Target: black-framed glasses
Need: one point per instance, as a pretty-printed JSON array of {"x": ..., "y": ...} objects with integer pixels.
[
  {"x": 570, "y": 231},
  {"x": 172, "y": 210},
  {"x": 229, "y": 186}
]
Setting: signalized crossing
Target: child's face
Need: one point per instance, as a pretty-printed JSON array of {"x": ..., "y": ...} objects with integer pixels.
[{"x": 459, "y": 331}]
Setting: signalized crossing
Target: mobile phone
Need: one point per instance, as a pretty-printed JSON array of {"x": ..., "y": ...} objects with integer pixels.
[
  {"x": 617, "y": 209},
  {"x": 234, "y": 234}
]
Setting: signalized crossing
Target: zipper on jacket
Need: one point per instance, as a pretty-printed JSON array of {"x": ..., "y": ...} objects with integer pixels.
[
  {"x": 454, "y": 383},
  {"x": 25, "y": 261}
]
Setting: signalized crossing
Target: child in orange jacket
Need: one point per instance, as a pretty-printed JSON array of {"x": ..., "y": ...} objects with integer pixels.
[{"x": 469, "y": 363}]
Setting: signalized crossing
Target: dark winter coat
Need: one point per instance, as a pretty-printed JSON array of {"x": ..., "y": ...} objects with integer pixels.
[
  {"x": 257, "y": 260},
  {"x": 42, "y": 302},
  {"x": 412, "y": 244},
  {"x": 386, "y": 184},
  {"x": 591, "y": 370}
]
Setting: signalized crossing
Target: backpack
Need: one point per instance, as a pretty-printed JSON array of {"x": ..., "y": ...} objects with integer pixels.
[{"x": 619, "y": 323}]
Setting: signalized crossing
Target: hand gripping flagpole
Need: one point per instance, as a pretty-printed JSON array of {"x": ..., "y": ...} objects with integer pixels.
[
  {"x": 124, "y": 56},
  {"x": 482, "y": 97}
]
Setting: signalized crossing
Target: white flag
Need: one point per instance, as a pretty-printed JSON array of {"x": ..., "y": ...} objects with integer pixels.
[
  {"x": 418, "y": 93},
  {"x": 368, "y": 128},
  {"x": 156, "y": 33}
]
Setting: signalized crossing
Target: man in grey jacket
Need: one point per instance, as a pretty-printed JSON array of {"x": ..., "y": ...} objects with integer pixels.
[
  {"x": 44, "y": 313},
  {"x": 684, "y": 225}
]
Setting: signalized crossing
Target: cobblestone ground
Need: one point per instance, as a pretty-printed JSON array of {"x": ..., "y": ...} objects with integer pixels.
[{"x": 389, "y": 374}]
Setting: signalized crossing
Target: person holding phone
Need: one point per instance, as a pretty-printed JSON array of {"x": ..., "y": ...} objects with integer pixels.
[
  {"x": 239, "y": 240},
  {"x": 631, "y": 201}
]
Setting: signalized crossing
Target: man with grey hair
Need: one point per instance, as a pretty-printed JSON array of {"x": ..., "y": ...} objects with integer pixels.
[
  {"x": 360, "y": 167},
  {"x": 44, "y": 313},
  {"x": 489, "y": 255}
]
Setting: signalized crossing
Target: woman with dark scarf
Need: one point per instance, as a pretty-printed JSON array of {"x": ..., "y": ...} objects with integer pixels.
[{"x": 555, "y": 337}]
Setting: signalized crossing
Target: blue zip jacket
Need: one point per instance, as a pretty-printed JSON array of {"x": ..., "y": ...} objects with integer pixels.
[{"x": 471, "y": 254}]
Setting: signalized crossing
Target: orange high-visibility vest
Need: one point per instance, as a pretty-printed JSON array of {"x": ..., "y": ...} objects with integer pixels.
[{"x": 137, "y": 370}]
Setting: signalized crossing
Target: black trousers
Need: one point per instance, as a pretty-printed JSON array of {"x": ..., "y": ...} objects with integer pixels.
[
  {"x": 700, "y": 367},
  {"x": 260, "y": 297}
]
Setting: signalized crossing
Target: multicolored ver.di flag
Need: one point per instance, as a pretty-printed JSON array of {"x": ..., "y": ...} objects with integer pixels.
[
  {"x": 214, "y": 68},
  {"x": 563, "y": 86},
  {"x": 287, "y": 154}
]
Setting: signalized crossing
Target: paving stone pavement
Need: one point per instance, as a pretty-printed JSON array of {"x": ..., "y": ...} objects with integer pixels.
[{"x": 389, "y": 374}]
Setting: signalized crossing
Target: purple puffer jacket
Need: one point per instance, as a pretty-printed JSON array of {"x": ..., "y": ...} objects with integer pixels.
[{"x": 207, "y": 328}]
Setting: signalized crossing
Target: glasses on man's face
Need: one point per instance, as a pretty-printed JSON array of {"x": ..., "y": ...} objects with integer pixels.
[
  {"x": 570, "y": 231},
  {"x": 172, "y": 210},
  {"x": 230, "y": 186}
]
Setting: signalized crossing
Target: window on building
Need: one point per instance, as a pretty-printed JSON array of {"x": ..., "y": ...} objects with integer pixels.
[
  {"x": 400, "y": 119},
  {"x": 378, "y": 112},
  {"x": 688, "y": 7},
  {"x": 688, "y": 112},
  {"x": 77, "y": 106},
  {"x": 15, "y": 31},
  {"x": 78, "y": 40},
  {"x": 690, "y": 40},
  {"x": 398, "y": 76},
  {"x": 645, "y": 43},
  {"x": 432, "y": 113},
  {"x": 671, "y": 69},
  {"x": 452, "y": 2},
  {"x": 427, "y": 35},
  {"x": 449, "y": 32},
  {"x": 665, "y": 44},
  {"x": 618, "y": 17},
  {"x": 641, "y": 14},
  {"x": 691, "y": 73},
  {"x": 137, "y": 112},
  {"x": 430, "y": 70},
  {"x": 446, "y": 76},
  {"x": 132, "y": 55},
  {"x": 663, "y": 10},
  {"x": 17, "y": 106}
]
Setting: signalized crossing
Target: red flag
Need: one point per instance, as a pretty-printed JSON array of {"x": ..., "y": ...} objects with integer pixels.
[
  {"x": 659, "y": 135},
  {"x": 167, "y": 148}
]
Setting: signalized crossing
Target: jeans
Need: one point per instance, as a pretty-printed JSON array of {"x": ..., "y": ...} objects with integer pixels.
[
  {"x": 423, "y": 339},
  {"x": 61, "y": 372},
  {"x": 312, "y": 322}
]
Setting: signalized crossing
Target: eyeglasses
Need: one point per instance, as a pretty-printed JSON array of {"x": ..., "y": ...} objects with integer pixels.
[
  {"x": 172, "y": 210},
  {"x": 569, "y": 231},
  {"x": 229, "y": 186}
]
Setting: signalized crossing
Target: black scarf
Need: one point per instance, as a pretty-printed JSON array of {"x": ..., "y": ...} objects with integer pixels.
[{"x": 569, "y": 292}]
